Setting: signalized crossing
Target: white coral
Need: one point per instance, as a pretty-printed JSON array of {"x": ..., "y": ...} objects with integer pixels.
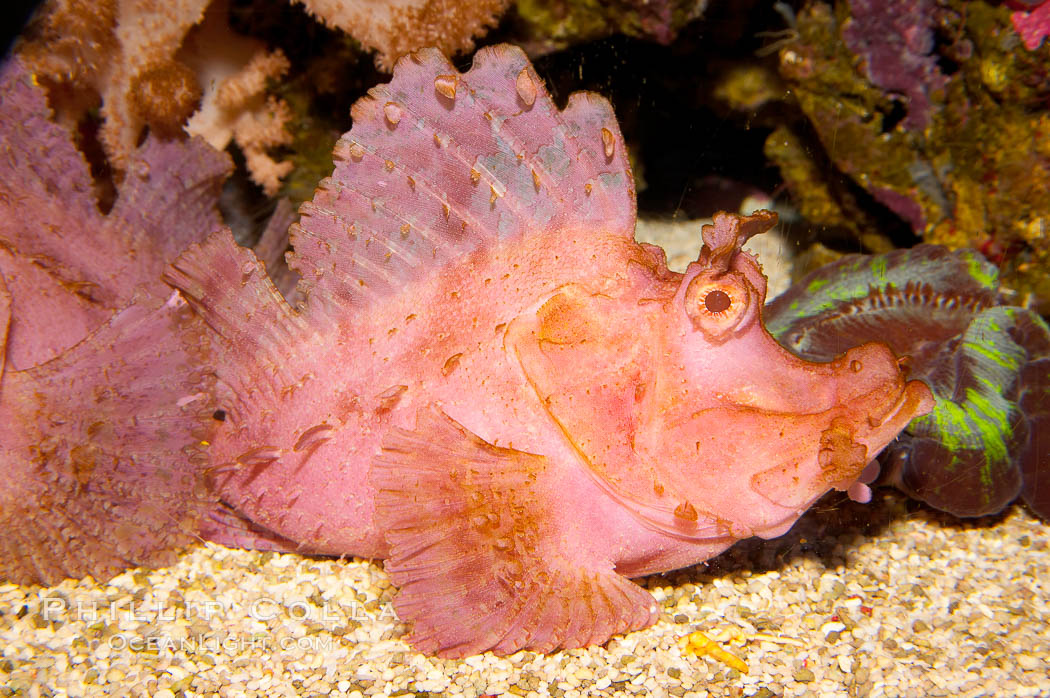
[
  {"x": 235, "y": 105},
  {"x": 395, "y": 27}
]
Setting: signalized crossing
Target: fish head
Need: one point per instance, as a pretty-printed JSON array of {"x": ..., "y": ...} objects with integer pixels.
[
  {"x": 688, "y": 411},
  {"x": 779, "y": 431}
]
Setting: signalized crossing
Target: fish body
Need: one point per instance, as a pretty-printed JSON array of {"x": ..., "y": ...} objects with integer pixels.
[{"x": 494, "y": 388}]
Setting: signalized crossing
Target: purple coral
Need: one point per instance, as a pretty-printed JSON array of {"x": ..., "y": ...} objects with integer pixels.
[
  {"x": 895, "y": 39},
  {"x": 1033, "y": 25}
]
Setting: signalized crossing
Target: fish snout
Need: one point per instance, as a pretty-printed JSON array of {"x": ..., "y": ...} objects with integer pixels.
[
  {"x": 879, "y": 380},
  {"x": 868, "y": 370},
  {"x": 880, "y": 395}
]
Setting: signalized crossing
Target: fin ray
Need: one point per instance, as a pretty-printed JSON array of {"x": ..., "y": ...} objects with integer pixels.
[
  {"x": 473, "y": 547},
  {"x": 439, "y": 170},
  {"x": 229, "y": 288}
]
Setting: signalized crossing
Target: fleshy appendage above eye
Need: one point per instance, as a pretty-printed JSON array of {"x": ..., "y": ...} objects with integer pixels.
[{"x": 720, "y": 305}]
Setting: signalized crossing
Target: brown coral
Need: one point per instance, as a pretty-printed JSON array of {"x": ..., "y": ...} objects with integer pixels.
[
  {"x": 143, "y": 62},
  {"x": 122, "y": 51},
  {"x": 235, "y": 105},
  {"x": 164, "y": 96},
  {"x": 398, "y": 27},
  {"x": 70, "y": 39},
  {"x": 135, "y": 57}
]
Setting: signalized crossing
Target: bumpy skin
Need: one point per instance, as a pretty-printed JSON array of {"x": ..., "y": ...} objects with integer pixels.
[{"x": 495, "y": 388}]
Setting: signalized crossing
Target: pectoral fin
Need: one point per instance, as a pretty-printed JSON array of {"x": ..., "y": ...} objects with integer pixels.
[{"x": 478, "y": 551}]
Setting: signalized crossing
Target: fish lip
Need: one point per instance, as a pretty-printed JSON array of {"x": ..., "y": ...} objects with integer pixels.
[
  {"x": 894, "y": 408},
  {"x": 911, "y": 399},
  {"x": 914, "y": 397}
]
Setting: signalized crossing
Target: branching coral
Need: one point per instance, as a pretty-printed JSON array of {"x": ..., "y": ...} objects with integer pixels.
[
  {"x": 132, "y": 55},
  {"x": 136, "y": 58},
  {"x": 123, "y": 51},
  {"x": 235, "y": 105}
]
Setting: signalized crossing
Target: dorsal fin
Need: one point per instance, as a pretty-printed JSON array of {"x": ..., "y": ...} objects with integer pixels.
[{"x": 439, "y": 163}]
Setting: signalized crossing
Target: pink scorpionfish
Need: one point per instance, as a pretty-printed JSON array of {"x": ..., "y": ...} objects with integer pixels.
[{"x": 495, "y": 388}]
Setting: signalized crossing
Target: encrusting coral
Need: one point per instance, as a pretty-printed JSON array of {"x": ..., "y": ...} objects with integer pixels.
[
  {"x": 937, "y": 112},
  {"x": 549, "y": 25}
]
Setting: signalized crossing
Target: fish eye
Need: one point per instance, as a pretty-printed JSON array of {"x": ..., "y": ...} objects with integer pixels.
[
  {"x": 719, "y": 305},
  {"x": 717, "y": 301}
]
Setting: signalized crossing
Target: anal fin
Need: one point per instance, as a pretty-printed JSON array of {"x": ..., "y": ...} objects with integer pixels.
[{"x": 479, "y": 552}]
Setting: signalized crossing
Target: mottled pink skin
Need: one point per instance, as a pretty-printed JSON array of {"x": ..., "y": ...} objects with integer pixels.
[{"x": 495, "y": 388}]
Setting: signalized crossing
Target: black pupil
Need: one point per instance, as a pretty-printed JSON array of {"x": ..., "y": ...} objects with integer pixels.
[{"x": 717, "y": 301}]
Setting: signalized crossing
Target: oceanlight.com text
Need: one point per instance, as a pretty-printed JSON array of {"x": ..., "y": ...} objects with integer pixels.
[{"x": 213, "y": 644}]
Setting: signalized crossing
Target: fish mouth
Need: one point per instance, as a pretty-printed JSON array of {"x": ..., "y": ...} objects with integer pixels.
[
  {"x": 908, "y": 397},
  {"x": 898, "y": 405},
  {"x": 853, "y": 433},
  {"x": 913, "y": 400}
]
